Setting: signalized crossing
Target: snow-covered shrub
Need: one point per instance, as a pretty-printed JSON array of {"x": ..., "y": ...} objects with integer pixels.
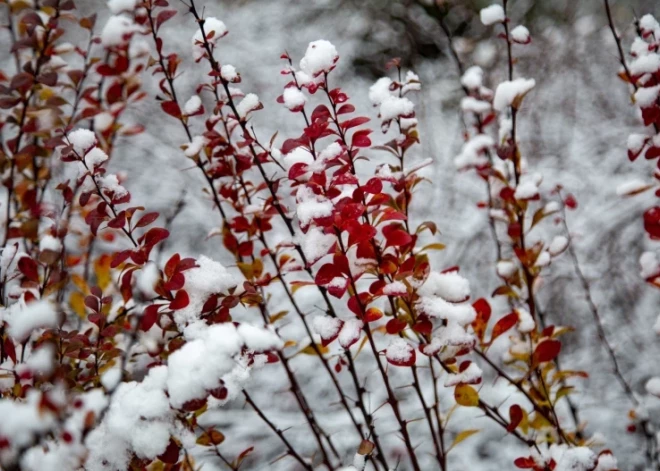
[{"x": 113, "y": 359}]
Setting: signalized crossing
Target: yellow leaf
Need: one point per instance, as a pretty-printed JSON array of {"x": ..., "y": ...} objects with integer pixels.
[
  {"x": 102, "y": 270},
  {"x": 80, "y": 283},
  {"x": 212, "y": 437},
  {"x": 277, "y": 316},
  {"x": 290, "y": 343},
  {"x": 257, "y": 267},
  {"x": 435, "y": 246},
  {"x": 309, "y": 350},
  {"x": 466, "y": 395},
  {"x": 296, "y": 285},
  {"x": 462, "y": 436},
  {"x": 362, "y": 343},
  {"x": 77, "y": 302},
  {"x": 246, "y": 269}
]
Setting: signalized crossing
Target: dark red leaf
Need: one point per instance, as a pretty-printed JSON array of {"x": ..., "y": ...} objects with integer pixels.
[
  {"x": 171, "y": 108},
  {"x": 28, "y": 268},
  {"x": 147, "y": 219},
  {"x": 181, "y": 300},
  {"x": 515, "y": 417},
  {"x": 325, "y": 274},
  {"x": 546, "y": 351}
]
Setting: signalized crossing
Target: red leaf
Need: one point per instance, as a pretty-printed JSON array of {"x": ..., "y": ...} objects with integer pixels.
[
  {"x": 652, "y": 222},
  {"x": 326, "y": 273},
  {"x": 394, "y": 326},
  {"x": 147, "y": 219},
  {"x": 373, "y": 186},
  {"x": 398, "y": 238},
  {"x": 515, "y": 417},
  {"x": 423, "y": 326},
  {"x": 171, "y": 454},
  {"x": 503, "y": 325},
  {"x": 171, "y": 108},
  {"x": 361, "y": 138},
  {"x": 353, "y": 122},
  {"x": 181, "y": 300},
  {"x": 28, "y": 268},
  {"x": 372, "y": 315},
  {"x": 163, "y": 16},
  {"x": 346, "y": 108},
  {"x": 546, "y": 351},
  {"x": 10, "y": 349},
  {"x": 524, "y": 463},
  {"x": 149, "y": 317},
  {"x": 155, "y": 235},
  {"x": 119, "y": 258},
  {"x": 172, "y": 263}
]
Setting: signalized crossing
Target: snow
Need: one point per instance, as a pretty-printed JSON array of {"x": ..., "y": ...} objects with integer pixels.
[
  {"x": 509, "y": 93},
  {"x": 207, "y": 278},
  {"x": 395, "y": 107},
  {"x": 473, "y": 105},
  {"x": 450, "y": 286},
  {"x": 311, "y": 206},
  {"x": 228, "y": 73},
  {"x": 350, "y": 332},
  {"x": 473, "y": 152},
  {"x": 118, "y": 6},
  {"x": 636, "y": 142},
  {"x": 22, "y": 420},
  {"x": 82, "y": 140},
  {"x": 196, "y": 146},
  {"x": 117, "y": 30},
  {"x": 650, "y": 266},
  {"x": 294, "y": 99},
  {"x": 646, "y": 96},
  {"x": 543, "y": 260},
  {"x": 462, "y": 314},
  {"x": 572, "y": 459},
  {"x": 473, "y": 78},
  {"x": 632, "y": 187},
  {"x": 247, "y": 105},
  {"x": 471, "y": 375},
  {"x": 520, "y": 34},
  {"x": 647, "y": 64},
  {"x": 315, "y": 244},
  {"x": 320, "y": 57},
  {"x": 327, "y": 327},
  {"x": 24, "y": 319},
  {"x": 103, "y": 121},
  {"x": 42, "y": 360},
  {"x": 380, "y": 91},
  {"x": 95, "y": 158},
  {"x": 139, "y": 420},
  {"x": 527, "y": 189},
  {"x": 299, "y": 155},
  {"x": 558, "y": 245},
  {"x": 506, "y": 268},
  {"x": 258, "y": 339},
  {"x": 110, "y": 184},
  {"x": 526, "y": 322},
  {"x": 214, "y": 29},
  {"x": 399, "y": 351},
  {"x": 492, "y": 14},
  {"x": 396, "y": 288},
  {"x": 653, "y": 386},
  {"x": 656, "y": 326},
  {"x": 48, "y": 242},
  {"x": 607, "y": 462},
  {"x": 193, "y": 105}
]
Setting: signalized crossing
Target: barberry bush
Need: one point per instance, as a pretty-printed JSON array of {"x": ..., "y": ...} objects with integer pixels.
[{"x": 323, "y": 328}]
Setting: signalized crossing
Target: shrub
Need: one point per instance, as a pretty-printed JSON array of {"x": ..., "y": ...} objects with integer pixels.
[{"x": 112, "y": 359}]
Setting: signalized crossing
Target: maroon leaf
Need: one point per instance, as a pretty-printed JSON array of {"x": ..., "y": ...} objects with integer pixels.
[
  {"x": 515, "y": 417},
  {"x": 147, "y": 219},
  {"x": 28, "y": 268},
  {"x": 171, "y": 108},
  {"x": 163, "y": 16}
]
